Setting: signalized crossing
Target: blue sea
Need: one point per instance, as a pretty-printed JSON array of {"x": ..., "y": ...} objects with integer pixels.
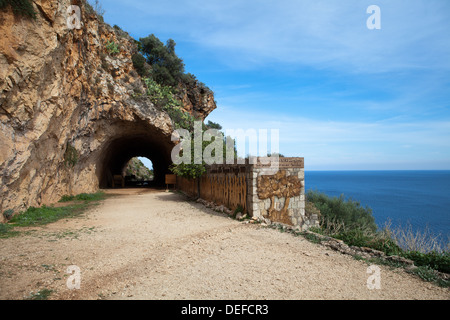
[{"x": 418, "y": 198}]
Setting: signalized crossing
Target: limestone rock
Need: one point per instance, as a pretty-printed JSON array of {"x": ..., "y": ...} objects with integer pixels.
[{"x": 61, "y": 90}]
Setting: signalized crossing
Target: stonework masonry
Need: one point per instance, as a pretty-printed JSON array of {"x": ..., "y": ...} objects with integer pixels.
[
  {"x": 251, "y": 188},
  {"x": 280, "y": 197}
]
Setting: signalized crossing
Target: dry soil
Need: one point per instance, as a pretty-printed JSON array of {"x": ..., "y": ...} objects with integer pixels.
[{"x": 149, "y": 244}]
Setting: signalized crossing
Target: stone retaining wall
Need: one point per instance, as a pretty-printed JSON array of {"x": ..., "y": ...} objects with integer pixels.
[{"x": 275, "y": 195}]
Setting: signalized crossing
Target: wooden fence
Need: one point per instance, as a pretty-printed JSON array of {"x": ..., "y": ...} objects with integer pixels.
[
  {"x": 222, "y": 185},
  {"x": 278, "y": 196}
]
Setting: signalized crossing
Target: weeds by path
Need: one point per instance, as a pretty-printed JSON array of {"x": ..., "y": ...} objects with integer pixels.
[{"x": 47, "y": 214}]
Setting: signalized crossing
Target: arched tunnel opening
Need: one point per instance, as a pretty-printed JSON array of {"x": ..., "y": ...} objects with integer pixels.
[
  {"x": 135, "y": 142},
  {"x": 138, "y": 172}
]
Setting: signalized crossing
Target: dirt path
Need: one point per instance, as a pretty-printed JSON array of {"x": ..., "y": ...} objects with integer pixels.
[{"x": 141, "y": 244}]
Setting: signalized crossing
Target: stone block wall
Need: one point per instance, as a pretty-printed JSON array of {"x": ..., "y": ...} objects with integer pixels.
[
  {"x": 275, "y": 195},
  {"x": 279, "y": 197}
]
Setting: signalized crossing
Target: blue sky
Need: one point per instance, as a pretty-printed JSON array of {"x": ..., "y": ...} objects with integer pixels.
[{"x": 342, "y": 96}]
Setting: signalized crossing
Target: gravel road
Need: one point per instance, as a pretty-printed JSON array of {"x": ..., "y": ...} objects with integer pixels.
[{"x": 149, "y": 244}]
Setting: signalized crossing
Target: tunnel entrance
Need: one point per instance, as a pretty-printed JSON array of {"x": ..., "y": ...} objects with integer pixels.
[
  {"x": 138, "y": 172},
  {"x": 131, "y": 142}
]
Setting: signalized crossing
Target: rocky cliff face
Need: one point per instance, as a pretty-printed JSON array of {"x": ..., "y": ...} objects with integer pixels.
[
  {"x": 72, "y": 111},
  {"x": 137, "y": 171}
]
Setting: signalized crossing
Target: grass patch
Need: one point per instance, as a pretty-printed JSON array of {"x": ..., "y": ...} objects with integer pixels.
[
  {"x": 439, "y": 261},
  {"x": 312, "y": 238},
  {"x": 43, "y": 294},
  {"x": 6, "y": 231},
  {"x": 428, "y": 274},
  {"x": 47, "y": 214},
  {"x": 83, "y": 197},
  {"x": 44, "y": 215}
]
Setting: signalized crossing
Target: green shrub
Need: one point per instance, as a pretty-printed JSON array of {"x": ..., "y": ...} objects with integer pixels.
[
  {"x": 163, "y": 98},
  {"x": 428, "y": 274},
  {"x": 70, "y": 156},
  {"x": 66, "y": 198},
  {"x": 354, "y": 237},
  {"x": 239, "y": 209},
  {"x": 83, "y": 197},
  {"x": 167, "y": 67},
  {"x": 20, "y": 7},
  {"x": 214, "y": 125},
  {"x": 90, "y": 196},
  {"x": 4, "y": 228},
  {"x": 43, "y": 294},
  {"x": 112, "y": 48},
  {"x": 188, "y": 170},
  {"x": 141, "y": 65},
  {"x": 439, "y": 261},
  {"x": 191, "y": 81},
  {"x": 8, "y": 214},
  {"x": 349, "y": 222},
  {"x": 349, "y": 212},
  {"x": 385, "y": 244}
]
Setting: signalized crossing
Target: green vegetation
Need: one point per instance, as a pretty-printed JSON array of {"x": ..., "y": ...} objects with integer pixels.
[
  {"x": 83, "y": 197},
  {"x": 191, "y": 80},
  {"x": 20, "y": 7},
  {"x": 214, "y": 125},
  {"x": 43, "y": 294},
  {"x": 188, "y": 170},
  {"x": 348, "y": 221},
  {"x": 8, "y": 214},
  {"x": 6, "y": 231},
  {"x": 194, "y": 170},
  {"x": 341, "y": 211},
  {"x": 162, "y": 72},
  {"x": 70, "y": 155},
  {"x": 275, "y": 154},
  {"x": 112, "y": 48},
  {"x": 435, "y": 260},
  {"x": 141, "y": 65},
  {"x": 119, "y": 32},
  {"x": 429, "y": 274},
  {"x": 167, "y": 67},
  {"x": 164, "y": 98},
  {"x": 239, "y": 209},
  {"x": 158, "y": 62},
  {"x": 43, "y": 215}
]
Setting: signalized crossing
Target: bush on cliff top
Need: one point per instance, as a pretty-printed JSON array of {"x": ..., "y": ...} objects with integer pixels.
[
  {"x": 167, "y": 67},
  {"x": 19, "y": 7}
]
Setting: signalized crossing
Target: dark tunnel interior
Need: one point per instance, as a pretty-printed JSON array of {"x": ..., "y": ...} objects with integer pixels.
[{"x": 120, "y": 150}]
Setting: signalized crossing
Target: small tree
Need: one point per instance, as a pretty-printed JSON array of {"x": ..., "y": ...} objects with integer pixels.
[
  {"x": 214, "y": 125},
  {"x": 168, "y": 68},
  {"x": 141, "y": 65}
]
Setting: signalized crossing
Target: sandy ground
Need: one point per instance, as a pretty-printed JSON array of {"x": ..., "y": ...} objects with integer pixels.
[{"x": 148, "y": 244}]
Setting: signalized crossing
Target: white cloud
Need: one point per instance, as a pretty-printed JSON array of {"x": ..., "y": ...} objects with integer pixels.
[
  {"x": 322, "y": 33},
  {"x": 399, "y": 73},
  {"x": 350, "y": 144}
]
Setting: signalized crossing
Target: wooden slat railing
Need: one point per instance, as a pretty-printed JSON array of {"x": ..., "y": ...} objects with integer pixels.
[{"x": 226, "y": 187}]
